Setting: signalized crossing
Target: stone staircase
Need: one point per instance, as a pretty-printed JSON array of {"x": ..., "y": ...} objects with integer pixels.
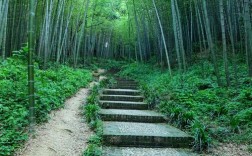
[{"x": 127, "y": 122}]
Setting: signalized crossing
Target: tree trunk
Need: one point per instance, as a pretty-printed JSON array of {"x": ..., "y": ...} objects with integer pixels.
[
  {"x": 138, "y": 33},
  {"x": 231, "y": 34},
  {"x": 175, "y": 27},
  {"x": 224, "y": 42},
  {"x": 180, "y": 36},
  {"x": 248, "y": 35},
  {"x": 210, "y": 43},
  {"x": 31, "y": 66},
  {"x": 163, "y": 37}
]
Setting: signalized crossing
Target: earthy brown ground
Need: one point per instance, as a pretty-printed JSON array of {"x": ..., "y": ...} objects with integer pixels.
[
  {"x": 65, "y": 134},
  {"x": 229, "y": 149}
]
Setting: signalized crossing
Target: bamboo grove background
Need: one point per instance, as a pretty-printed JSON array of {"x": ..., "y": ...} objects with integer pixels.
[{"x": 174, "y": 32}]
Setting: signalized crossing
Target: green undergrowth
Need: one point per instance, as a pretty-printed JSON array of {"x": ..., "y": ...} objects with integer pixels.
[
  {"x": 192, "y": 101},
  {"x": 53, "y": 86},
  {"x": 91, "y": 109},
  {"x": 108, "y": 64}
]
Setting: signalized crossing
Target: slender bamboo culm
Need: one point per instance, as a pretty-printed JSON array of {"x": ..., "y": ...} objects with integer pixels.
[{"x": 31, "y": 67}]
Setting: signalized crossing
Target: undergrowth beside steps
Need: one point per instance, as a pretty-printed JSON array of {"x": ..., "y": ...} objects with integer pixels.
[
  {"x": 193, "y": 101},
  {"x": 91, "y": 109}
]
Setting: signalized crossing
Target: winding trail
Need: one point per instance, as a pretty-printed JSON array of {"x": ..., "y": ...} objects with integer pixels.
[{"x": 65, "y": 134}]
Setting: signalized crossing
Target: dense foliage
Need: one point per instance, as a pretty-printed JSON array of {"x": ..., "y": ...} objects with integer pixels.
[
  {"x": 193, "y": 101},
  {"x": 171, "y": 30},
  {"x": 53, "y": 86}
]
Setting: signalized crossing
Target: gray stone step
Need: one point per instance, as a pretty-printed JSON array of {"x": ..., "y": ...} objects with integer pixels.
[
  {"x": 144, "y": 116},
  {"x": 124, "y": 87},
  {"x": 133, "y": 134},
  {"x": 121, "y": 92},
  {"x": 132, "y": 151},
  {"x": 121, "y": 98},
  {"x": 124, "y": 80},
  {"x": 126, "y": 83},
  {"x": 123, "y": 105}
]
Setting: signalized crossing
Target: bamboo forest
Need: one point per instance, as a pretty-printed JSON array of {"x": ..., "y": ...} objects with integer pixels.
[{"x": 125, "y": 77}]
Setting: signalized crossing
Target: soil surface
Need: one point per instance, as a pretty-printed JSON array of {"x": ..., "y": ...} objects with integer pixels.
[
  {"x": 229, "y": 149},
  {"x": 65, "y": 134}
]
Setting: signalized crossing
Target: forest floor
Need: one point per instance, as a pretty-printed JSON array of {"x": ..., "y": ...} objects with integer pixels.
[
  {"x": 65, "y": 134},
  {"x": 231, "y": 149}
]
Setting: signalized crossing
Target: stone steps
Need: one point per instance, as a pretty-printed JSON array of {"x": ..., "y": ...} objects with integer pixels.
[
  {"x": 131, "y": 134},
  {"x": 129, "y": 123},
  {"x": 125, "y": 80},
  {"x": 126, "y": 84},
  {"x": 121, "y": 92},
  {"x": 131, "y": 115},
  {"x": 132, "y": 98},
  {"x": 124, "y": 87},
  {"x": 123, "y": 105},
  {"x": 132, "y": 151}
]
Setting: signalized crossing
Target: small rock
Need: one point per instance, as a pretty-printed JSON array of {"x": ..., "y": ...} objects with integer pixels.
[
  {"x": 102, "y": 78},
  {"x": 95, "y": 74},
  {"x": 92, "y": 84},
  {"x": 101, "y": 71}
]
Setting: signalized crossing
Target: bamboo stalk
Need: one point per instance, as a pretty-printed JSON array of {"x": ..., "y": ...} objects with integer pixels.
[{"x": 31, "y": 45}]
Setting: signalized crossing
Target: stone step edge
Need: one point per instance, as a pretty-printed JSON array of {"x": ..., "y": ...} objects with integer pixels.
[
  {"x": 137, "y": 118},
  {"x": 124, "y": 102},
  {"x": 132, "y": 118},
  {"x": 129, "y": 111},
  {"x": 130, "y": 96},
  {"x": 122, "y": 90},
  {"x": 124, "y": 87},
  {"x": 147, "y": 141},
  {"x": 124, "y": 105},
  {"x": 116, "y": 151}
]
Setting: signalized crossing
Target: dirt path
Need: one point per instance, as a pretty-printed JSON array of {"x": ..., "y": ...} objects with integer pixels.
[
  {"x": 230, "y": 149},
  {"x": 65, "y": 134}
]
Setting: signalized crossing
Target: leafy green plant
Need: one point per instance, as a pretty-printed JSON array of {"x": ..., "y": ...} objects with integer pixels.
[
  {"x": 95, "y": 139},
  {"x": 91, "y": 112},
  {"x": 22, "y": 53},
  {"x": 202, "y": 139},
  {"x": 93, "y": 150},
  {"x": 243, "y": 117}
]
